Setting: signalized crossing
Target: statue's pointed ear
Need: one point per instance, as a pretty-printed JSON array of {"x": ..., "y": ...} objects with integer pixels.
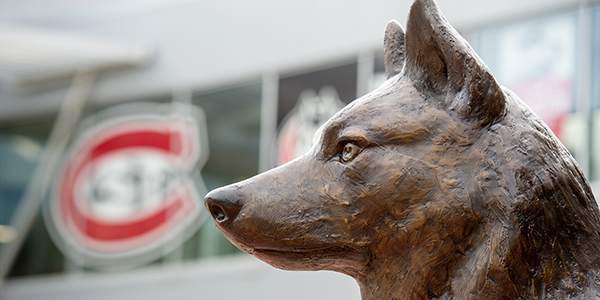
[
  {"x": 442, "y": 61},
  {"x": 393, "y": 48}
]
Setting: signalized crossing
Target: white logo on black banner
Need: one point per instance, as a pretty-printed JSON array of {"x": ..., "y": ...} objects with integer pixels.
[{"x": 300, "y": 124}]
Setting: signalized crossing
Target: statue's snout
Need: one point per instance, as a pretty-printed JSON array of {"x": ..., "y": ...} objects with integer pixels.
[{"x": 223, "y": 205}]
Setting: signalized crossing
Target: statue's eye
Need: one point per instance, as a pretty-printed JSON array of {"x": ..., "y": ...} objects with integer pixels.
[{"x": 350, "y": 152}]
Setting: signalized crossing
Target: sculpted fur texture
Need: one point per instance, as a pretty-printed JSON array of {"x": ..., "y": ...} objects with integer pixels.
[{"x": 440, "y": 184}]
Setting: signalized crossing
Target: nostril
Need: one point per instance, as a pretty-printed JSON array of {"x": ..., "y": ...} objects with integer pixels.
[
  {"x": 224, "y": 205},
  {"x": 218, "y": 213}
]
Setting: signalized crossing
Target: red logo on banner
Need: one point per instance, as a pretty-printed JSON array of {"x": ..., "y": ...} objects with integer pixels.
[{"x": 126, "y": 188}]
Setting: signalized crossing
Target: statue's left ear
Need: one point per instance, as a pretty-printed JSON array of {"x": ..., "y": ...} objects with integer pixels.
[
  {"x": 393, "y": 48},
  {"x": 441, "y": 60}
]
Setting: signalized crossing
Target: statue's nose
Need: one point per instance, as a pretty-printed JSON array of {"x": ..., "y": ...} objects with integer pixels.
[{"x": 223, "y": 205}]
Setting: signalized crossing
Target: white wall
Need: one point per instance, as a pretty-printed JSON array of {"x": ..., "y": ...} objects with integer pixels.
[{"x": 202, "y": 44}]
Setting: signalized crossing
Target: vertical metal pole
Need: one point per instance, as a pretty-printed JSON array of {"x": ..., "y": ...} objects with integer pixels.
[
  {"x": 268, "y": 118},
  {"x": 364, "y": 73},
  {"x": 584, "y": 82},
  {"x": 175, "y": 256},
  {"x": 42, "y": 177}
]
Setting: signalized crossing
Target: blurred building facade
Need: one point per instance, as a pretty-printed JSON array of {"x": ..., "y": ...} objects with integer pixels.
[{"x": 264, "y": 74}]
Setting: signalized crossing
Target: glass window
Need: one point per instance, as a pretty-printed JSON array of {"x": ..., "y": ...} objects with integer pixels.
[
  {"x": 233, "y": 124},
  {"x": 536, "y": 59},
  {"x": 233, "y": 121},
  {"x": 20, "y": 148}
]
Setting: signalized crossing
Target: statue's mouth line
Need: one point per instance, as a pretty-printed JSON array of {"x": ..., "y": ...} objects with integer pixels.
[{"x": 322, "y": 251}]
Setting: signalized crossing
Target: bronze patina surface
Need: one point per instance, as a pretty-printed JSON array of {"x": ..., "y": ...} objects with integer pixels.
[{"x": 440, "y": 184}]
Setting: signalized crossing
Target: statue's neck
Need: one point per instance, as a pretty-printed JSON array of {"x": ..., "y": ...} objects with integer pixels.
[
  {"x": 441, "y": 269},
  {"x": 419, "y": 278}
]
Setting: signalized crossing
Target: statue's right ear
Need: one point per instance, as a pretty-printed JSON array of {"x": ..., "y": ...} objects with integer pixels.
[
  {"x": 441, "y": 60},
  {"x": 393, "y": 48}
]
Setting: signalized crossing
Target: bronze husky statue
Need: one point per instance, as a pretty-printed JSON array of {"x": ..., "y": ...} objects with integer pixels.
[{"x": 440, "y": 184}]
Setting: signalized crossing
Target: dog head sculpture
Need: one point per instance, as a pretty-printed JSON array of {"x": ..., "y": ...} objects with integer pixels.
[{"x": 440, "y": 184}]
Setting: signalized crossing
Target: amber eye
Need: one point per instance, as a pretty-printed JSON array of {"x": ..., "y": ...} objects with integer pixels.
[{"x": 350, "y": 152}]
